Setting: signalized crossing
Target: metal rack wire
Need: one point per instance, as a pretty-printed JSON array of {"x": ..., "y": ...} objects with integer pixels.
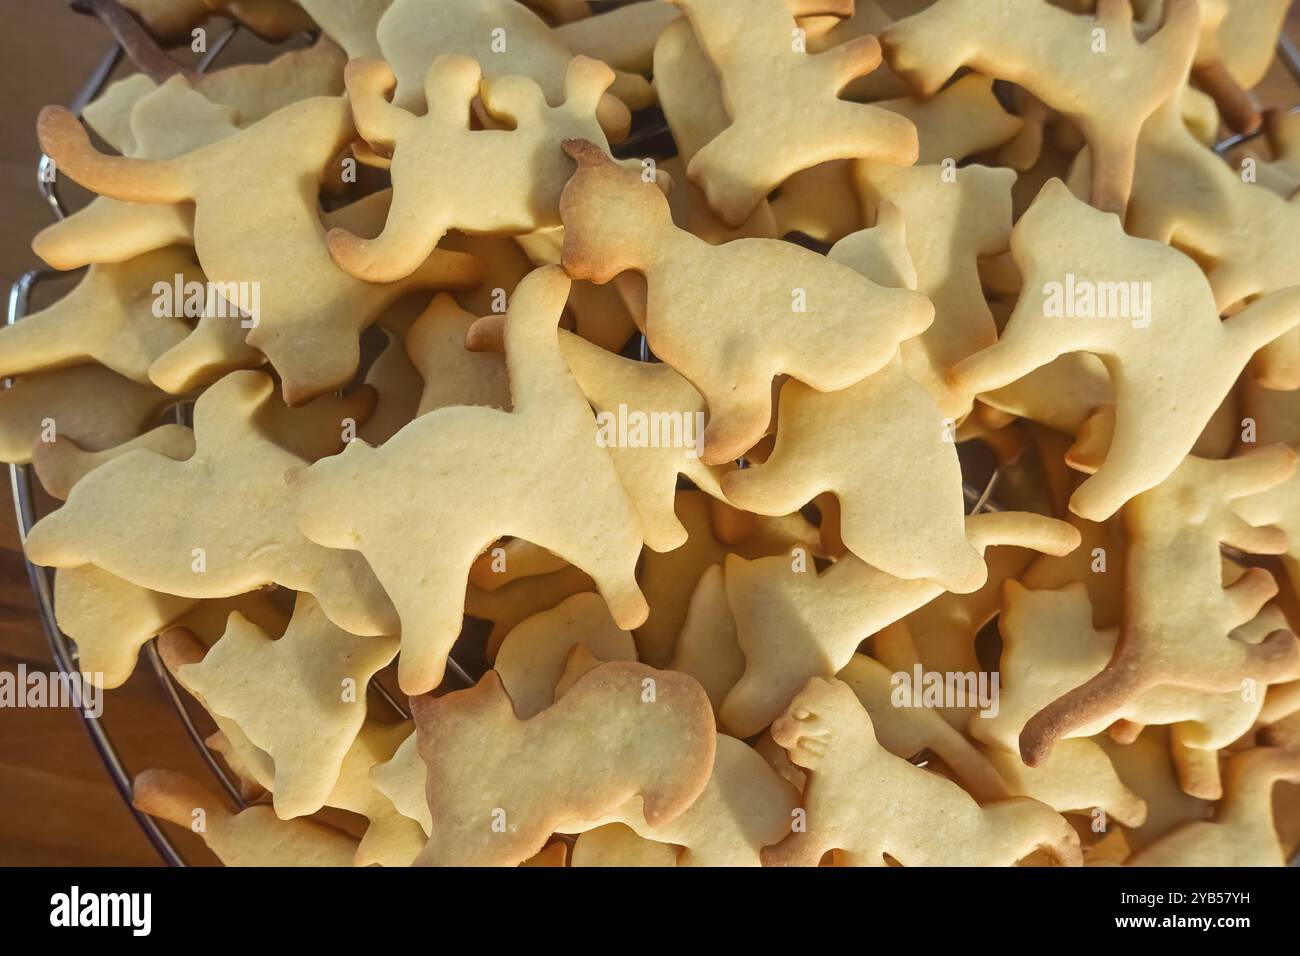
[{"x": 63, "y": 649}]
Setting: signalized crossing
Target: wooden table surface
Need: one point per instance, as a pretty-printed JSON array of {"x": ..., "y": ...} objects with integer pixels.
[{"x": 57, "y": 804}]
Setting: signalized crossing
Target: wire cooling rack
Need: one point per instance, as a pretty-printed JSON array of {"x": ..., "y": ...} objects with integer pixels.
[{"x": 649, "y": 136}]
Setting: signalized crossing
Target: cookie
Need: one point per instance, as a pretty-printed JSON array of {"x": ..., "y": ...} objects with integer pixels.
[
  {"x": 440, "y": 147},
  {"x": 1247, "y": 38},
  {"x": 826, "y": 731},
  {"x": 148, "y": 120},
  {"x": 498, "y": 809},
  {"x": 793, "y": 625},
  {"x": 774, "y": 95},
  {"x": 92, "y": 405},
  {"x": 1145, "y": 765},
  {"x": 1184, "y": 193},
  {"x": 251, "y": 837},
  {"x": 180, "y": 649},
  {"x": 397, "y": 386},
  {"x": 401, "y": 778},
  {"x": 1053, "y": 54},
  {"x": 451, "y": 373},
  {"x": 564, "y": 465},
  {"x": 1241, "y": 833},
  {"x": 314, "y": 676},
  {"x": 1078, "y": 779},
  {"x": 692, "y": 103},
  {"x": 1170, "y": 312},
  {"x": 668, "y": 579},
  {"x": 109, "y": 318},
  {"x": 60, "y": 464},
  {"x": 755, "y": 286},
  {"x": 623, "y": 36},
  {"x": 352, "y": 25},
  {"x": 707, "y": 648},
  {"x": 505, "y": 37},
  {"x": 744, "y": 806},
  {"x": 114, "y": 520},
  {"x": 531, "y": 659},
  {"x": 942, "y": 634},
  {"x": 1177, "y": 629},
  {"x": 390, "y": 839},
  {"x": 911, "y": 731},
  {"x": 1282, "y": 173},
  {"x": 617, "y": 845},
  {"x": 520, "y": 599},
  {"x": 971, "y": 218},
  {"x": 110, "y": 620},
  {"x": 882, "y": 445},
  {"x": 511, "y": 560},
  {"x": 1051, "y": 633},
  {"x": 651, "y": 420},
  {"x": 960, "y": 121},
  {"x": 869, "y": 18}
]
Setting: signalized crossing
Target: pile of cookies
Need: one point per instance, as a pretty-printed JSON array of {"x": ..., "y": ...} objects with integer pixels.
[{"x": 647, "y": 351}]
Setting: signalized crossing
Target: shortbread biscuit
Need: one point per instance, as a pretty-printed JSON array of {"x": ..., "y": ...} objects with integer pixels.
[
  {"x": 1241, "y": 833},
  {"x": 783, "y": 105},
  {"x": 60, "y": 464},
  {"x": 1175, "y": 337},
  {"x": 797, "y": 304},
  {"x": 551, "y": 428},
  {"x": 251, "y": 837},
  {"x": 497, "y": 802},
  {"x": 796, "y": 624},
  {"x": 301, "y": 699},
  {"x": 1178, "y": 625},
  {"x": 1053, "y": 54},
  {"x": 532, "y": 657},
  {"x": 827, "y": 732},
  {"x": 114, "y": 519},
  {"x": 431, "y": 150},
  {"x": 92, "y": 405}
]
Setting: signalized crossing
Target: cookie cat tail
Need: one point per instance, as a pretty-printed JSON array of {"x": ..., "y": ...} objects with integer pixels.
[
  {"x": 174, "y": 797},
  {"x": 66, "y": 142},
  {"x": 1265, "y": 319},
  {"x": 536, "y": 367}
]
